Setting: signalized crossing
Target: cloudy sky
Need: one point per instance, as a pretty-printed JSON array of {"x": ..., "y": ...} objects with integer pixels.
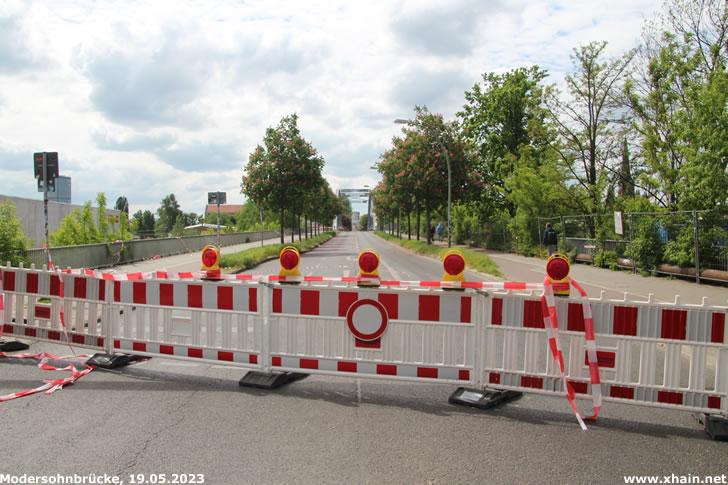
[{"x": 147, "y": 98}]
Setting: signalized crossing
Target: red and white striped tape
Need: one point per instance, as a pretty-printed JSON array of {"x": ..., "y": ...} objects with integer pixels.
[
  {"x": 51, "y": 385},
  {"x": 551, "y": 324}
]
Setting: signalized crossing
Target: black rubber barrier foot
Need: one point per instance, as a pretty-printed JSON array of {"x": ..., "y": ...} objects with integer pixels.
[
  {"x": 482, "y": 398},
  {"x": 262, "y": 380},
  {"x": 13, "y": 346},
  {"x": 716, "y": 427},
  {"x": 112, "y": 361}
]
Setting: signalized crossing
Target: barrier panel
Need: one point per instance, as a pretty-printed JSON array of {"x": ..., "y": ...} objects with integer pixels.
[{"x": 511, "y": 336}]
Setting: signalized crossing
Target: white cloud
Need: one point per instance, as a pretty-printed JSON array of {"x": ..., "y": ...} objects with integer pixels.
[{"x": 144, "y": 99}]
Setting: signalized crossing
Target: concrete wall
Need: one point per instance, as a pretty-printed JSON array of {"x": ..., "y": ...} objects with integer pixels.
[
  {"x": 30, "y": 212},
  {"x": 101, "y": 255}
]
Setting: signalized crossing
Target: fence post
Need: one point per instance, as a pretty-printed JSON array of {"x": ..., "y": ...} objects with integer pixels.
[
  {"x": 697, "y": 251},
  {"x": 631, "y": 243}
]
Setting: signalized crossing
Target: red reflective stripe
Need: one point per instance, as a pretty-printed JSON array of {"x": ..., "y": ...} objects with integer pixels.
[
  {"x": 166, "y": 349},
  {"x": 372, "y": 344},
  {"x": 166, "y": 294},
  {"x": 309, "y": 364},
  {"x": 31, "y": 283},
  {"x": 310, "y": 302},
  {"x": 532, "y": 382},
  {"x": 226, "y": 356},
  {"x": 56, "y": 285},
  {"x": 496, "y": 313},
  {"x": 346, "y": 366},
  {"x": 390, "y": 302},
  {"x": 625, "y": 320},
  {"x": 428, "y": 372},
  {"x": 717, "y": 333},
  {"x": 532, "y": 314},
  {"x": 117, "y": 344},
  {"x": 669, "y": 397},
  {"x": 276, "y": 361},
  {"x": 604, "y": 359},
  {"x": 253, "y": 359},
  {"x": 194, "y": 296},
  {"x": 117, "y": 291},
  {"x": 465, "y": 303},
  {"x": 429, "y": 308},
  {"x": 494, "y": 378},
  {"x": 9, "y": 281},
  {"x": 464, "y": 375},
  {"x": 30, "y": 332},
  {"x": 674, "y": 324},
  {"x": 388, "y": 370},
  {"x": 277, "y": 300},
  {"x": 78, "y": 339},
  {"x": 430, "y": 284},
  {"x": 79, "y": 288},
  {"x": 714, "y": 402},
  {"x": 102, "y": 290},
  {"x": 196, "y": 353},
  {"x": 253, "y": 299},
  {"x": 54, "y": 335},
  {"x": 579, "y": 387},
  {"x": 139, "y": 346},
  {"x": 575, "y": 321},
  {"x": 139, "y": 293},
  {"x": 225, "y": 297},
  {"x": 622, "y": 392},
  {"x": 346, "y": 299}
]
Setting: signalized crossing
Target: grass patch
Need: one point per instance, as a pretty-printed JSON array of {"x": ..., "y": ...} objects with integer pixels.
[
  {"x": 473, "y": 259},
  {"x": 252, "y": 257}
]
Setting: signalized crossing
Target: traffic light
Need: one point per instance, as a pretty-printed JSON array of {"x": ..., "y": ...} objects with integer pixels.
[{"x": 51, "y": 169}]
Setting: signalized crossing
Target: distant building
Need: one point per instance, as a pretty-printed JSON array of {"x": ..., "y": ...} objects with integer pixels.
[
  {"x": 63, "y": 190},
  {"x": 230, "y": 209}
]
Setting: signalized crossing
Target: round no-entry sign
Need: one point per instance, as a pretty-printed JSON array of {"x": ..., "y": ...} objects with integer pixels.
[{"x": 367, "y": 319}]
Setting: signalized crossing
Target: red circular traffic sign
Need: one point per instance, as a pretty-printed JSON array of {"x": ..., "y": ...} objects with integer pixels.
[{"x": 367, "y": 319}]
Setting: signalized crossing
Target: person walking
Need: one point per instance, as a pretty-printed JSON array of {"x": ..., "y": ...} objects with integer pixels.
[
  {"x": 440, "y": 229},
  {"x": 550, "y": 239}
]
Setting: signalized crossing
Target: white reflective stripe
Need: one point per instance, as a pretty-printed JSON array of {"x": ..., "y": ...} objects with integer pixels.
[
  {"x": 328, "y": 365},
  {"x": 180, "y": 294},
  {"x": 408, "y": 306},
  {"x": 329, "y": 303},
  {"x": 210, "y": 354},
  {"x": 153, "y": 293},
  {"x": 209, "y": 297},
  {"x": 291, "y": 301},
  {"x": 450, "y": 308},
  {"x": 126, "y": 293},
  {"x": 241, "y": 298},
  {"x": 649, "y": 322},
  {"x": 366, "y": 368}
]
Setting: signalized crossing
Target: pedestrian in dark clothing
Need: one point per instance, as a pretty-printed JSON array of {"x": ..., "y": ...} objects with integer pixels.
[
  {"x": 432, "y": 234},
  {"x": 550, "y": 239}
]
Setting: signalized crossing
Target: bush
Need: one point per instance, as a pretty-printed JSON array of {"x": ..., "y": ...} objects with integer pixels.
[{"x": 606, "y": 259}]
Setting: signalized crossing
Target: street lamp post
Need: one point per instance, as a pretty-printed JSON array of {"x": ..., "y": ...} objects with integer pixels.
[{"x": 400, "y": 121}]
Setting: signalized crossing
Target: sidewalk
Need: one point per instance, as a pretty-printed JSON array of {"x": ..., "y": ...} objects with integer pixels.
[{"x": 614, "y": 284}]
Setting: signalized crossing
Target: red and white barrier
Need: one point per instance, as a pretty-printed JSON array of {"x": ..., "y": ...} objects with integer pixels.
[{"x": 513, "y": 336}]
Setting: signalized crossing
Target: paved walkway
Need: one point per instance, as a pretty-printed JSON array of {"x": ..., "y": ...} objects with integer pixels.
[{"x": 614, "y": 284}]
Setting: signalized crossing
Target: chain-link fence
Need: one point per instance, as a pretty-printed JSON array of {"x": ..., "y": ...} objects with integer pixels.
[{"x": 684, "y": 243}]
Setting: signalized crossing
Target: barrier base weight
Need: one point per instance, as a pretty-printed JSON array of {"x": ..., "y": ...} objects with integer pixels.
[
  {"x": 12, "y": 346},
  {"x": 262, "y": 380},
  {"x": 112, "y": 361},
  {"x": 716, "y": 427},
  {"x": 482, "y": 398}
]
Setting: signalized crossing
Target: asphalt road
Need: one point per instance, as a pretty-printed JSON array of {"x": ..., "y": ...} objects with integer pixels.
[{"x": 176, "y": 417}]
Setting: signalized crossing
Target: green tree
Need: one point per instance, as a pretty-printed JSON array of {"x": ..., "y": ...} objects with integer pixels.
[
  {"x": 13, "y": 243},
  {"x": 168, "y": 213},
  {"x": 500, "y": 117},
  {"x": 122, "y": 204},
  {"x": 283, "y": 170},
  {"x": 589, "y": 122},
  {"x": 144, "y": 224}
]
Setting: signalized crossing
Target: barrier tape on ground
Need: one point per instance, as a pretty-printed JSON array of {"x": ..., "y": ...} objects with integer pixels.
[{"x": 51, "y": 385}]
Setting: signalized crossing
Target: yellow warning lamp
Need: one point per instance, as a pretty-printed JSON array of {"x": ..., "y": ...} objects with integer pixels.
[
  {"x": 557, "y": 269},
  {"x": 368, "y": 265},
  {"x": 211, "y": 262},
  {"x": 454, "y": 265},
  {"x": 290, "y": 258}
]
